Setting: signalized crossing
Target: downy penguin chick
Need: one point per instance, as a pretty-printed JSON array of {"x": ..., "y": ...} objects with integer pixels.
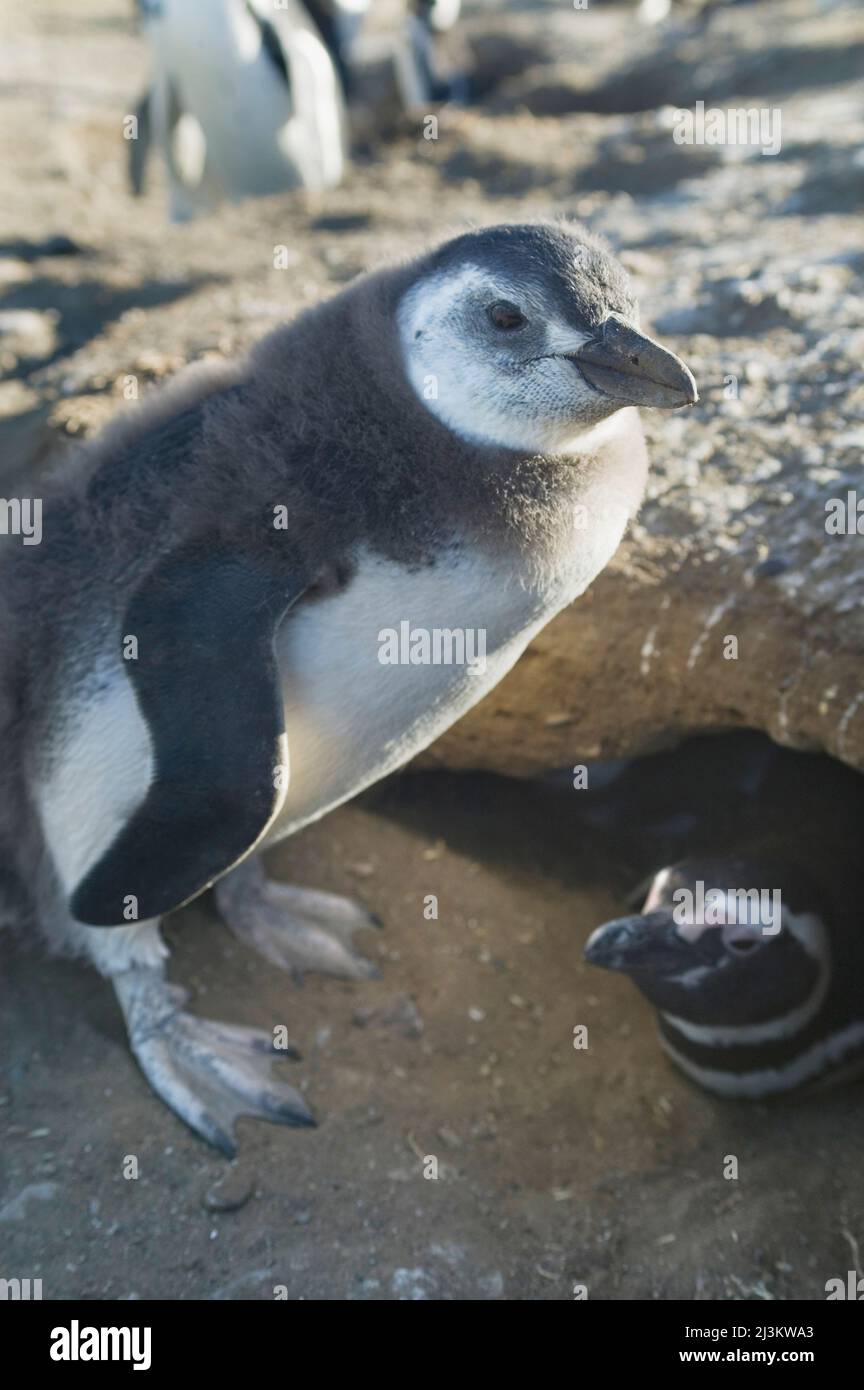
[
  {"x": 754, "y": 971},
  {"x": 192, "y": 663}
]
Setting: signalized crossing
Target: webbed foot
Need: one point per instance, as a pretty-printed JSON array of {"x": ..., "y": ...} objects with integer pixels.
[
  {"x": 209, "y": 1073},
  {"x": 298, "y": 929}
]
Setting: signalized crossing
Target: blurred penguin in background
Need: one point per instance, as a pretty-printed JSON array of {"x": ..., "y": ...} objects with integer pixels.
[
  {"x": 245, "y": 100},
  {"x": 416, "y": 41},
  {"x": 248, "y": 97}
]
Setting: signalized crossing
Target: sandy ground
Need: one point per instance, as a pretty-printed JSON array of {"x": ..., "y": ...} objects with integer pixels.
[{"x": 555, "y": 1167}]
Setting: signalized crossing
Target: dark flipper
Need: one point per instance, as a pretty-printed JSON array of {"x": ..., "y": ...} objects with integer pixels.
[
  {"x": 207, "y": 685},
  {"x": 270, "y": 43}
]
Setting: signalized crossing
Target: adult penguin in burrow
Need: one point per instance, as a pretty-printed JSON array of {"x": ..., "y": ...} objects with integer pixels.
[
  {"x": 196, "y": 661},
  {"x": 754, "y": 968}
]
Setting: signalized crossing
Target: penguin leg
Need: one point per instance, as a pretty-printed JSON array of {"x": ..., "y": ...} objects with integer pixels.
[
  {"x": 139, "y": 144},
  {"x": 209, "y": 1073},
  {"x": 297, "y": 929}
]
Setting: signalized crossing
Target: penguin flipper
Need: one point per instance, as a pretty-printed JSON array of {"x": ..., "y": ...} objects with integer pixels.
[
  {"x": 207, "y": 685},
  {"x": 270, "y": 41},
  {"x": 139, "y": 147}
]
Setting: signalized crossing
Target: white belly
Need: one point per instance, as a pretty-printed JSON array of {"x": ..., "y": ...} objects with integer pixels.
[{"x": 351, "y": 719}]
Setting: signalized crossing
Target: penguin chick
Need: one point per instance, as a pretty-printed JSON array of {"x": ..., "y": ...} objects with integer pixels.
[
  {"x": 244, "y": 100},
  {"x": 197, "y": 660},
  {"x": 754, "y": 972}
]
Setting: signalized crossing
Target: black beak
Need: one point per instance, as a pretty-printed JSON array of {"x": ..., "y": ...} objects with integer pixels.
[
  {"x": 645, "y": 945},
  {"x": 634, "y": 369}
]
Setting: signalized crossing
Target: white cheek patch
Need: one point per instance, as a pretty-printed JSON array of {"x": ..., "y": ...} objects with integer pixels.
[
  {"x": 464, "y": 391},
  {"x": 99, "y": 770},
  {"x": 442, "y": 369}
]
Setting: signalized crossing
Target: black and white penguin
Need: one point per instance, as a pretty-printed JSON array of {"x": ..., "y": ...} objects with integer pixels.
[
  {"x": 423, "y": 78},
  {"x": 191, "y": 664},
  {"x": 413, "y": 45},
  {"x": 245, "y": 99},
  {"x": 754, "y": 970}
]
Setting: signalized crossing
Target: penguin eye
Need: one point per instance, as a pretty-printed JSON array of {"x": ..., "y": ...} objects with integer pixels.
[
  {"x": 741, "y": 939},
  {"x": 505, "y": 315}
]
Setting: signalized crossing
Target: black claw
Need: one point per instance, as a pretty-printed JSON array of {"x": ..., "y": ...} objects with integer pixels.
[
  {"x": 290, "y": 1052},
  {"x": 295, "y": 1119},
  {"x": 219, "y": 1138},
  {"x": 286, "y": 1112},
  {"x": 375, "y": 920}
]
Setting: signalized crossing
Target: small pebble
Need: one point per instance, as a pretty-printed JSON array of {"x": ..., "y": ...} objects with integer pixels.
[{"x": 231, "y": 1192}]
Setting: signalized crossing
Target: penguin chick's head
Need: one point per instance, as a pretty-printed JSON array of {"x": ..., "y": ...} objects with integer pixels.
[
  {"x": 738, "y": 950},
  {"x": 524, "y": 337}
]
